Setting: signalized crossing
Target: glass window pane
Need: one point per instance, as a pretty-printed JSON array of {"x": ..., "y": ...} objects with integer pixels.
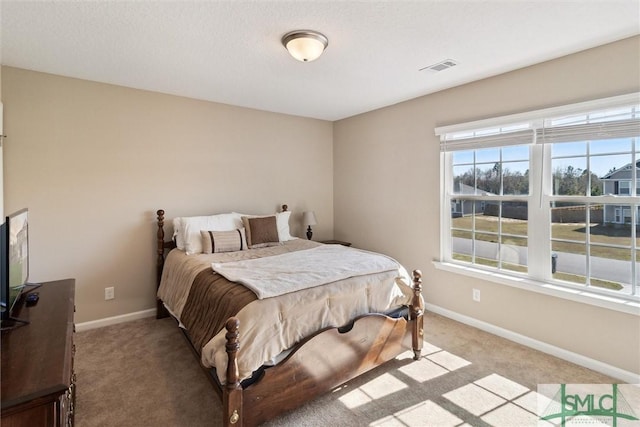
[
  {"x": 515, "y": 152},
  {"x": 488, "y": 179},
  {"x": 460, "y": 157},
  {"x": 463, "y": 180},
  {"x": 570, "y": 262},
  {"x": 608, "y": 225},
  {"x": 604, "y": 146},
  {"x": 568, "y": 221},
  {"x": 459, "y": 208},
  {"x": 488, "y": 155},
  {"x": 569, "y": 176},
  {"x": 569, "y": 149},
  {"x": 514, "y": 219},
  {"x": 487, "y": 222},
  {"x": 515, "y": 178},
  {"x": 605, "y": 166},
  {"x": 461, "y": 232},
  {"x": 513, "y": 253},
  {"x": 610, "y": 268},
  {"x": 486, "y": 249}
]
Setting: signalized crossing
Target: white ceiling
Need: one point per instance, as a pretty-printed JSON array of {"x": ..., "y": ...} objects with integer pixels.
[{"x": 230, "y": 51}]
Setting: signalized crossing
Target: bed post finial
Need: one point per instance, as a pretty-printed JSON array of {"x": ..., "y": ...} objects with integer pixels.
[
  {"x": 416, "y": 312},
  {"x": 232, "y": 397},
  {"x": 285, "y": 208}
]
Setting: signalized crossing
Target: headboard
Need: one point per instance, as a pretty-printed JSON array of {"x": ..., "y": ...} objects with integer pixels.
[{"x": 163, "y": 246}]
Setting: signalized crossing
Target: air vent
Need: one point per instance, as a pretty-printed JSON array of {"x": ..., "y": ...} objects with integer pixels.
[{"x": 440, "y": 66}]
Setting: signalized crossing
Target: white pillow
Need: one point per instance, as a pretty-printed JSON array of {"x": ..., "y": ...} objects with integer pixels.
[
  {"x": 282, "y": 221},
  {"x": 190, "y": 228},
  {"x": 177, "y": 233}
]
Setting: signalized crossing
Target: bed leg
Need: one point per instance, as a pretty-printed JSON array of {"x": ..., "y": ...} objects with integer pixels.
[
  {"x": 416, "y": 311},
  {"x": 232, "y": 397}
]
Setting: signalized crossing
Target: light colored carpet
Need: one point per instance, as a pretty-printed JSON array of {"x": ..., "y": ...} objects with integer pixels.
[{"x": 143, "y": 373}]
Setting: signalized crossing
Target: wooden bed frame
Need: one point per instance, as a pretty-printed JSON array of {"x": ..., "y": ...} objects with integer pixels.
[{"x": 309, "y": 370}]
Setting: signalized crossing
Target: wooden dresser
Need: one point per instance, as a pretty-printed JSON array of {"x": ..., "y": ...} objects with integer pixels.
[{"x": 37, "y": 361}]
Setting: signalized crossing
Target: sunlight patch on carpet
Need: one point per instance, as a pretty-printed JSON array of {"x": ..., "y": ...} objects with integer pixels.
[
  {"x": 448, "y": 360},
  {"x": 474, "y": 399},
  {"x": 502, "y": 386},
  {"x": 423, "y": 370},
  {"x": 426, "y": 413},
  {"x": 512, "y": 415},
  {"x": 530, "y": 402},
  {"x": 377, "y": 388}
]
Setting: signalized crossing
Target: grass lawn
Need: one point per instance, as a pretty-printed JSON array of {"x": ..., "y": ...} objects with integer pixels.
[
  {"x": 576, "y": 233},
  {"x": 599, "y": 234}
]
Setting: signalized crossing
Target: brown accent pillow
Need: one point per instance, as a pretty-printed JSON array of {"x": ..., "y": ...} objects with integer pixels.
[
  {"x": 223, "y": 241},
  {"x": 261, "y": 231}
]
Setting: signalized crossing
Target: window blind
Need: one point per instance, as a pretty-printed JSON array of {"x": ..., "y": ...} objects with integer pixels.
[
  {"x": 615, "y": 117},
  {"x": 589, "y": 131},
  {"x": 488, "y": 141}
]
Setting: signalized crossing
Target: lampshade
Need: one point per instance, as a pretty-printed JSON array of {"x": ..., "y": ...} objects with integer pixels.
[
  {"x": 309, "y": 218},
  {"x": 305, "y": 45}
]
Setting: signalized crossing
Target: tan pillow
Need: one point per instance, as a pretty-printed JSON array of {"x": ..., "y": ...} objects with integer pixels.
[
  {"x": 261, "y": 231},
  {"x": 223, "y": 241}
]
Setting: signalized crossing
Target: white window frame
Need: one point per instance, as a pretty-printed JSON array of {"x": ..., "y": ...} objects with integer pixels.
[{"x": 539, "y": 277}]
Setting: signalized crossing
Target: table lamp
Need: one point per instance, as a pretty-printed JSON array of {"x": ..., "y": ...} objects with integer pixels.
[{"x": 309, "y": 219}]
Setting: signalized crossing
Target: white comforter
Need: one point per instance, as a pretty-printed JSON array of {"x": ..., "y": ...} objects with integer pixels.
[
  {"x": 294, "y": 271},
  {"x": 270, "y": 326}
]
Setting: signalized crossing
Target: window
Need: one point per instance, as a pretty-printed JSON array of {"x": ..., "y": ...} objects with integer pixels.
[
  {"x": 490, "y": 184},
  {"x": 624, "y": 187},
  {"x": 551, "y": 197}
]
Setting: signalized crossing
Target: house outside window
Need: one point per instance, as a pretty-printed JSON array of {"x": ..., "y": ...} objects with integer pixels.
[{"x": 551, "y": 197}]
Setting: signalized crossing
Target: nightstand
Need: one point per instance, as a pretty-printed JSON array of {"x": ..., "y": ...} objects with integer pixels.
[{"x": 336, "y": 242}]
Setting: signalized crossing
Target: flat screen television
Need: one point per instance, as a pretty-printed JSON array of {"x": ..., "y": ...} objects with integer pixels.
[{"x": 14, "y": 260}]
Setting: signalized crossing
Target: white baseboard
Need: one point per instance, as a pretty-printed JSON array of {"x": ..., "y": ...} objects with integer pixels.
[
  {"x": 578, "y": 359},
  {"x": 85, "y": 326}
]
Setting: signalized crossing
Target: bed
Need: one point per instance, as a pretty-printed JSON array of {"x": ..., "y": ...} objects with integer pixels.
[{"x": 263, "y": 368}]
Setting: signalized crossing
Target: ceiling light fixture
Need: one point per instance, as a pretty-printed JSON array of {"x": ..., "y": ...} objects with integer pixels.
[{"x": 305, "y": 45}]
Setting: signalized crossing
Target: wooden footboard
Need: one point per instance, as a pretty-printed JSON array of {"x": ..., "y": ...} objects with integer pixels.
[{"x": 310, "y": 371}]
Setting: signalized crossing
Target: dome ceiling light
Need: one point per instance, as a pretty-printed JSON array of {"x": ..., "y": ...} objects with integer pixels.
[{"x": 305, "y": 45}]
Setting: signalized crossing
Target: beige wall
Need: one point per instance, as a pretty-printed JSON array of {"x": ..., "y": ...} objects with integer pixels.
[
  {"x": 387, "y": 195},
  {"x": 93, "y": 162}
]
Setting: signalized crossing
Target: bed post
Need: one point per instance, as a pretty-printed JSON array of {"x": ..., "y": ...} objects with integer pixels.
[
  {"x": 161, "y": 311},
  {"x": 232, "y": 394},
  {"x": 416, "y": 311}
]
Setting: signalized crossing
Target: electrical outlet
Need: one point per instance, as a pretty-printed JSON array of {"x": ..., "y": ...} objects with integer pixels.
[
  {"x": 476, "y": 295},
  {"x": 109, "y": 293}
]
